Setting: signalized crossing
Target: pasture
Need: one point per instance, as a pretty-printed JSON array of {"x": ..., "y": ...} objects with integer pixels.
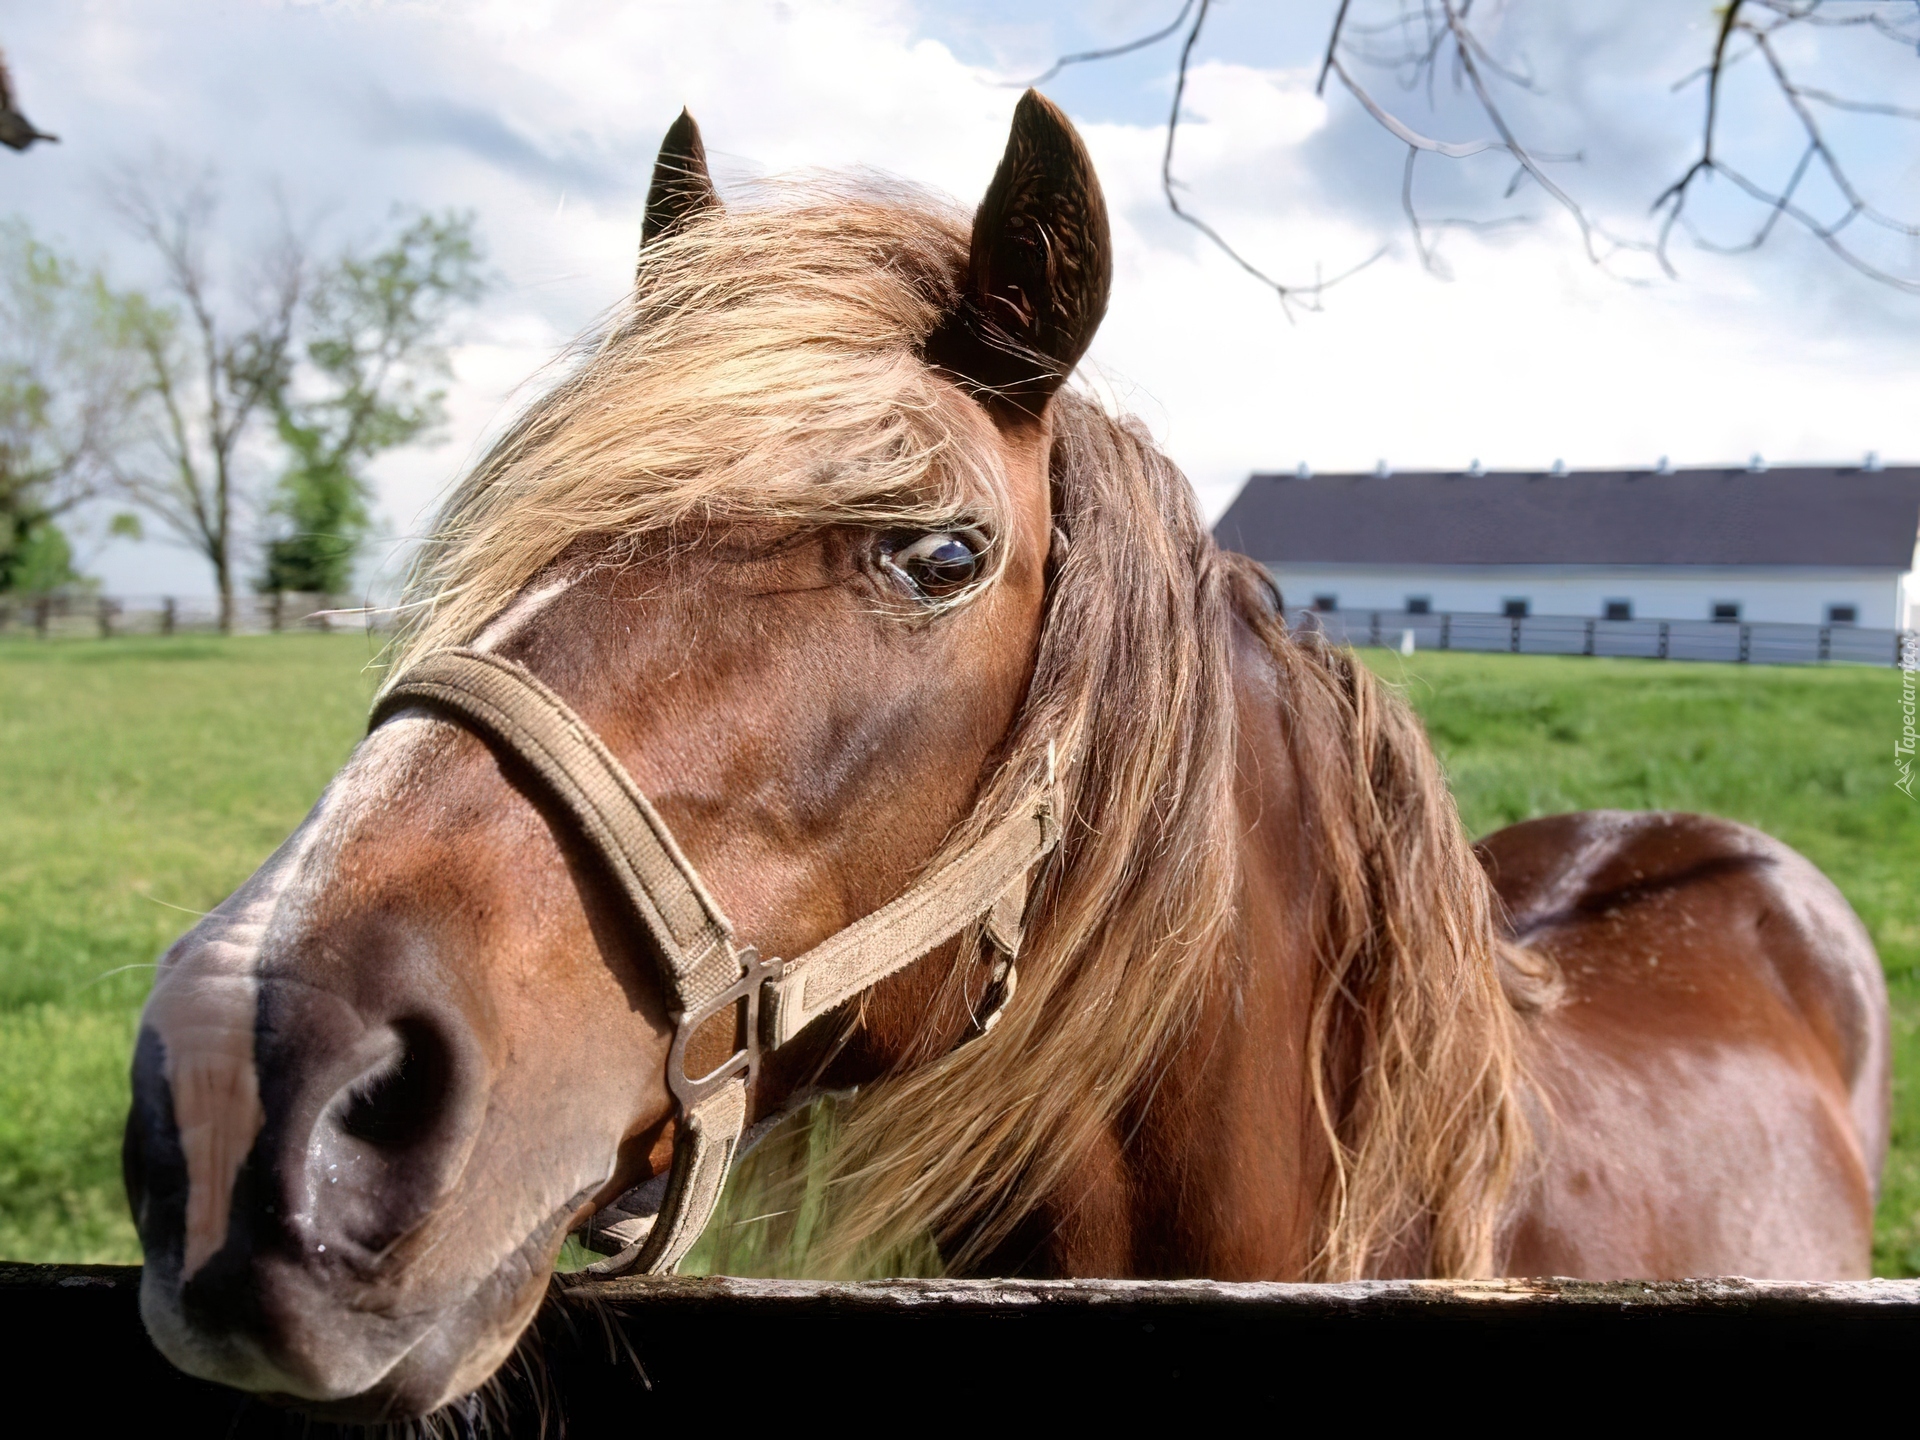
[{"x": 144, "y": 778}]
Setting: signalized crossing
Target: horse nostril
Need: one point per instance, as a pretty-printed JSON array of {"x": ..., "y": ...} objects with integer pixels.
[
  {"x": 391, "y": 1140},
  {"x": 398, "y": 1104}
]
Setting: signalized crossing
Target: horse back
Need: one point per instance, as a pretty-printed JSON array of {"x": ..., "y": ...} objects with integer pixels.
[{"x": 1714, "y": 1077}]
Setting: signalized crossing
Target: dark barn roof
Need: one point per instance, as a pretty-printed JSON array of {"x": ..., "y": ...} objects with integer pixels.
[{"x": 1803, "y": 515}]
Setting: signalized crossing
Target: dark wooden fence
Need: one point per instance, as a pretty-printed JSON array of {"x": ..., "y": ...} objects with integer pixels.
[
  {"x": 1741, "y": 642},
  {"x": 80, "y": 615},
  {"x": 766, "y": 1356}
]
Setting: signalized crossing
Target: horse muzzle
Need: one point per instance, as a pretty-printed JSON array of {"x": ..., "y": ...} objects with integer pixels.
[{"x": 292, "y": 1160}]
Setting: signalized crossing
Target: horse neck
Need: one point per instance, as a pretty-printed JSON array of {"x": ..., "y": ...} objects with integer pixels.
[
  {"x": 1360, "y": 996},
  {"x": 1283, "y": 938},
  {"x": 1220, "y": 1166}
]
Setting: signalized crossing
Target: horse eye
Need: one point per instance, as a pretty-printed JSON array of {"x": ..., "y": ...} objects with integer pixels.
[{"x": 940, "y": 564}]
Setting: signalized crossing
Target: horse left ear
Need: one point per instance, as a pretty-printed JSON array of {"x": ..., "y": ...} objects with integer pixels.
[
  {"x": 1040, "y": 268},
  {"x": 682, "y": 187}
]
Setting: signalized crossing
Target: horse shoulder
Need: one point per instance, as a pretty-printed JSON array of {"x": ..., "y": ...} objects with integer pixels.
[{"x": 1715, "y": 1075}]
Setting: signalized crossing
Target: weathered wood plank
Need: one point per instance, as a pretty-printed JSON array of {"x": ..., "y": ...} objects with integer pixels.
[
  {"x": 1410, "y": 1296},
  {"x": 617, "y": 1352}
]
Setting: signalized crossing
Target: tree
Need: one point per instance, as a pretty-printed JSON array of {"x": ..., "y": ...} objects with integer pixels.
[
  {"x": 1417, "y": 42},
  {"x": 70, "y": 379},
  {"x": 339, "y": 358},
  {"x": 375, "y": 327},
  {"x": 212, "y": 367}
]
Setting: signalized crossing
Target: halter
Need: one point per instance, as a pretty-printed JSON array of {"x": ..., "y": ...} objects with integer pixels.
[{"x": 702, "y": 972}]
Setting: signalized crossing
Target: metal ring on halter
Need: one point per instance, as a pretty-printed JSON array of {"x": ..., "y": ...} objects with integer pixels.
[{"x": 744, "y": 1063}]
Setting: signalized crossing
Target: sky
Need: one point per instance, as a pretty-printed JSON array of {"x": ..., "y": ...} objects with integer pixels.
[{"x": 543, "y": 116}]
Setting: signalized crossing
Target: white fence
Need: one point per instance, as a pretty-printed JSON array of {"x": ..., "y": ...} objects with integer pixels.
[
  {"x": 1731, "y": 641},
  {"x": 76, "y": 616}
]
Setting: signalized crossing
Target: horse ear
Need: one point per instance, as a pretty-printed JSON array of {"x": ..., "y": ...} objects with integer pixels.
[
  {"x": 1040, "y": 268},
  {"x": 681, "y": 187}
]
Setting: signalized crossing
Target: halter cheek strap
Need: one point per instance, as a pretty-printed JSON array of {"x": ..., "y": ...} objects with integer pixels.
[{"x": 702, "y": 971}]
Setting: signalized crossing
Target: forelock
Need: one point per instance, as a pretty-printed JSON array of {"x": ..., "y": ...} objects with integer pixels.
[{"x": 766, "y": 366}]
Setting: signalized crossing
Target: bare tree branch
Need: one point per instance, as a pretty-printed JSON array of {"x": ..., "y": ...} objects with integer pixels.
[
  {"x": 1082, "y": 57},
  {"x": 1435, "y": 31},
  {"x": 1289, "y": 295},
  {"x": 1416, "y": 40},
  {"x": 1333, "y": 46},
  {"x": 1858, "y": 107},
  {"x": 1759, "y": 22}
]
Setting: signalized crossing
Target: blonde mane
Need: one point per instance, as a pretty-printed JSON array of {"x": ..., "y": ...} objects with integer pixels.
[
  {"x": 768, "y": 366},
  {"x": 1413, "y": 1045}
]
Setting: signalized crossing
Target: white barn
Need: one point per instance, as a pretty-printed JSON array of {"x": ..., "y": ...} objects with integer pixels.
[{"x": 1809, "y": 545}]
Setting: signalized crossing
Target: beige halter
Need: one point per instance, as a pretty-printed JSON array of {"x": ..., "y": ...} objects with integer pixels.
[{"x": 701, "y": 970}]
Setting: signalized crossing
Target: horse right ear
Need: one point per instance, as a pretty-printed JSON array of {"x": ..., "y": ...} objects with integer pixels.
[
  {"x": 681, "y": 187},
  {"x": 1039, "y": 270}
]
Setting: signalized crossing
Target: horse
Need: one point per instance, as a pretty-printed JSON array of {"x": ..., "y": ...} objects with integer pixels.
[{"x": 814, "y": 563}]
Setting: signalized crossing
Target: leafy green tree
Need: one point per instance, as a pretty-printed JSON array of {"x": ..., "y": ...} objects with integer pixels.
[
  {"x": 70, "y": 382},
  {"x": 376, "y": 344}
]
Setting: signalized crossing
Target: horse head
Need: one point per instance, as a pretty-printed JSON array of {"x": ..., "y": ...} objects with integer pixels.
[{"x": 782, "y": 540}]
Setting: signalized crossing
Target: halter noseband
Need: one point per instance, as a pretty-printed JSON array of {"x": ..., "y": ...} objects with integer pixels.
[{"x": 701, "y": 970}]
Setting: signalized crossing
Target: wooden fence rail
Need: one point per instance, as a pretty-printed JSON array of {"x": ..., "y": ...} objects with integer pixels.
[
  {"x": 762, "y": 1355},
  {"x": 1750, "y": 642},
  {"x": 105, "y": 616}
]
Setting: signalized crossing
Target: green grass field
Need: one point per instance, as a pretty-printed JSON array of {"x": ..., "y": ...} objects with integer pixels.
[{"x": 144, "y": 779}]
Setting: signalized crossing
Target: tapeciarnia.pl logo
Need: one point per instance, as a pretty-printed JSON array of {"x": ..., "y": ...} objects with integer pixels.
[{"x": 1903, "y": 748}]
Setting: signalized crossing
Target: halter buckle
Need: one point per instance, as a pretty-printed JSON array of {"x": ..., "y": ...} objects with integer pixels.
[{"x": 688, "y": 1091}]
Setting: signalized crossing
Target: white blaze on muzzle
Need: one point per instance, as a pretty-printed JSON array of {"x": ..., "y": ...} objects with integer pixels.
[
  {"x": 206, "y": 1025},
  {"x": 204, "y": 1009}
]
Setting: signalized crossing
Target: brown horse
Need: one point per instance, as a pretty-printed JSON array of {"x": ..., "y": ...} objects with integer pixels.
[{"x": 816, "y": 543}]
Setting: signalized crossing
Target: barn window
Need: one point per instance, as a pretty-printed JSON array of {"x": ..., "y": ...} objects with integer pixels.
[
  {"x": 1514, "y": 609},
  {"x": 1326, "y": 602},
  {"x": 1419, "y": 605},
  {"x": 1842, "y": 614},
  {"x": 1619, "y": 610},
  {"x": 1726, "y": 609}
]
